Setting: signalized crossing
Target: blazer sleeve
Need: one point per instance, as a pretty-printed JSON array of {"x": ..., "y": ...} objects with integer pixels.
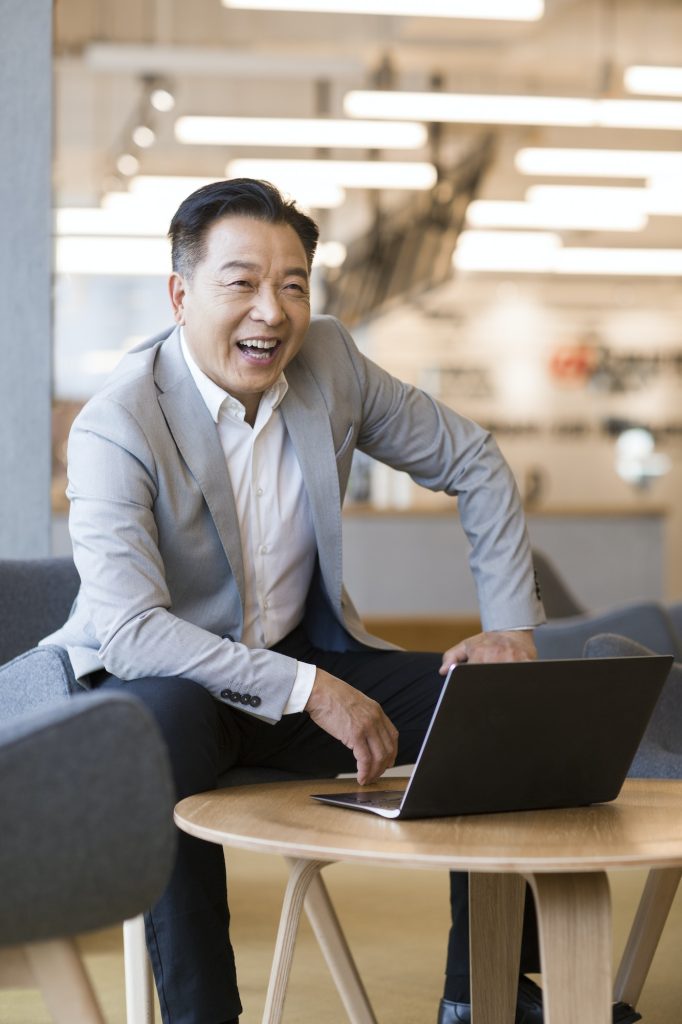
[
  {"x": 441, "y": 450},
  {"x": 124, "y": 607}
]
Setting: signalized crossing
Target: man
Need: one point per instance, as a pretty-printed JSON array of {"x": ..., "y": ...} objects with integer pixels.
[{"x": 206, "y": 481}]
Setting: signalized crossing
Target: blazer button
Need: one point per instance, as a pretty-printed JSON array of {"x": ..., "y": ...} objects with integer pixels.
[
  {"x": 225, "y": 693},
  {"x": 227, "y": 636},
  {"x": 245, "y": 698},
  {"x": 255, "y": 702}
]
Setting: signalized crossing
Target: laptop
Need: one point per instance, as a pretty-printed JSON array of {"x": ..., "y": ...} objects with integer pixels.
[{"x": 526, "y": 735}]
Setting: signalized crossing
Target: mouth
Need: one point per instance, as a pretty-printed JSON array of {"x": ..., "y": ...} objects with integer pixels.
[{"x": 259, "y": 350}]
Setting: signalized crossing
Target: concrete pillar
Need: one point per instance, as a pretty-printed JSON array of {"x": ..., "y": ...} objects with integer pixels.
[{"x": 25, "y": 276}]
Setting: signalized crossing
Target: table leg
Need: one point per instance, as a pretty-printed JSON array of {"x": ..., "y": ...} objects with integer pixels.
[
  {"x": 574, "y": 919},
  {"x": 652, "y": 913},
  {"x": 301, "y": 874},
  {"x": 332, "y": 942},
  {"x": 495, "y": 921}
]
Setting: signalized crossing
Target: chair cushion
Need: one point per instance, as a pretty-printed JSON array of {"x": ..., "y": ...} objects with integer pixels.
[{"x": 36, "y": 679}]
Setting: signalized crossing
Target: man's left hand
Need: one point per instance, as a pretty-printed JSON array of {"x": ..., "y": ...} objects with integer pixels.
[{"x": 499, "y": 645}]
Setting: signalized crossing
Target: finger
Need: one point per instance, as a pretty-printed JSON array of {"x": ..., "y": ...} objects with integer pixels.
[
  {"x": 375, "y": 753},
  {"x": 454, "y": 656}
]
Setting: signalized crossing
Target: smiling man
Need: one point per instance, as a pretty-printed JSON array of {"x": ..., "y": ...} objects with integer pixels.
[{"x": 206, "y": 481}]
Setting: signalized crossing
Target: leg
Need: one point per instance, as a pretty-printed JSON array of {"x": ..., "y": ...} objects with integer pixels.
[
  {"x": 652, "y": 912},
  {"x": 188, "y": 929},
  {"x": 301, "y": 874},
  {"x": 59, "y": 973},
  {"x": 138, "y": 973},
  {"x": 332, "y": 942},
  {"x": 496, "y": 918},
  {"x": 457, "y": 988},
  {"x": 574, "y": 914}
]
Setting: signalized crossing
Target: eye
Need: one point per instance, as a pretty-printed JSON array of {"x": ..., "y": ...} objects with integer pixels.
[
  {"x": 296, "y": 287},
  {"x": 240, "y": 284}
]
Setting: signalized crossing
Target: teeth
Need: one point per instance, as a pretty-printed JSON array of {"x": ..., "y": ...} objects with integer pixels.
[{"x": 258, "y": 343}]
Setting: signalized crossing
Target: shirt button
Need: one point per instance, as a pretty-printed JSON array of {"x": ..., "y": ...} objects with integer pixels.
[
  {"x": 266, "y": 604},
  {"x": 263, "y": 549},
  {"x": 259, "y": 492}
]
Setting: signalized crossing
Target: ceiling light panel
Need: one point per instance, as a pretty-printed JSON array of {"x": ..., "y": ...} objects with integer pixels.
[
  {"x": 596, "y": 163},
  {"x": 327, "y": 133},
  {"x": 598, "y": 199},
  {"x": 472, "y": 108},
  {"x": 293, "y": 175},
  {"x": 492, "y": 213},
  {"x": 650, "y": 80},
  {"x": 495, "y": 10}
]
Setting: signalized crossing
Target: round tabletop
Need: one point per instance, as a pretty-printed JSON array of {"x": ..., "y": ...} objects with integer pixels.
[{"x": 642, "y": 828}]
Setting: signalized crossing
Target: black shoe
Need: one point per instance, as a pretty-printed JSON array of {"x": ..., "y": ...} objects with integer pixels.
[{"x": 528, "y": 1008}]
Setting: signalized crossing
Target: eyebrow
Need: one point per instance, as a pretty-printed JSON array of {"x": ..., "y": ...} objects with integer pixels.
[{"x": 246, "y": 265}]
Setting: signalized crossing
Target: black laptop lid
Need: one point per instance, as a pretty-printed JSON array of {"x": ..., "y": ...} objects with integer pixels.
[{"x": 516, "y": 736}]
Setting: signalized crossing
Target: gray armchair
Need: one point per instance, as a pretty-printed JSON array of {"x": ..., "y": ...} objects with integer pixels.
[
  {"x": 35, "y": 598},
  {"x": 86, "y": 804}
]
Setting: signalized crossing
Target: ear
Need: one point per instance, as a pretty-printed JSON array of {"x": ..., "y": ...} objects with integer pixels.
[{"x": 177, "y": 291}]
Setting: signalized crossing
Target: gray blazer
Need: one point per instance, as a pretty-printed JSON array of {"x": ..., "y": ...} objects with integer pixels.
[{"x": 154, "y": 529}]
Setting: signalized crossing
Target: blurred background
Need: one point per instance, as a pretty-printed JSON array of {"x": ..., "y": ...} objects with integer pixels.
[{"x": 499, "y": 189}]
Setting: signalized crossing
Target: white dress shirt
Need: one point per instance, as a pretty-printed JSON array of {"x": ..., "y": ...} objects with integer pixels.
[{"x": 275, "y": 522}]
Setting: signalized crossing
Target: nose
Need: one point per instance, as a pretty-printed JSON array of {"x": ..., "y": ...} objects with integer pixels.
[{"x": 267, "y": 307}]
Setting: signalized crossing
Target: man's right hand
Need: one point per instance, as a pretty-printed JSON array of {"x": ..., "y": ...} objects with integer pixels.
[{"x": 357, "y": 721}]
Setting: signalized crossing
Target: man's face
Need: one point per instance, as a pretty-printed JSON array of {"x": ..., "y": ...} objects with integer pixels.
[{"x": 246, "y": 307}]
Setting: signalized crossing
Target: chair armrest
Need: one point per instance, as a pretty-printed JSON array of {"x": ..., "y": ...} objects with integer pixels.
[
  {"x": 86, "y": 801},
  {"x": 37, "y": 678},
  {"x": 646, "y": 622}
]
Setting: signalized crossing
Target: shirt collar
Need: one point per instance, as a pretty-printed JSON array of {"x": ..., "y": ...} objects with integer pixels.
[{"x": 215, "y": 396}]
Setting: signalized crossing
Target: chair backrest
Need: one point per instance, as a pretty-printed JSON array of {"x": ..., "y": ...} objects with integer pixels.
[
  {"x": 660, "y": 753},
  {"x": 35, "y": 598},
  {"x": 558, "y": 600},
  {"x": 675, "y": 612}
]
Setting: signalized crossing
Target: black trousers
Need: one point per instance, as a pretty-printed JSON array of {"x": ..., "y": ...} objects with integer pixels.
[{"x": 188, "y": 929}]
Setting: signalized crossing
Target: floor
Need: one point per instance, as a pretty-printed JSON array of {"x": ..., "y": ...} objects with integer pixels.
[{"x": 396, "y": 923}]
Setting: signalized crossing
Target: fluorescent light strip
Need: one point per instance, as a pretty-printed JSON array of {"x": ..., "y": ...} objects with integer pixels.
[
  {"x": 601, "y": 198},
  {"x": 133, "y": 256},
  {"x": 595, "y": 163},
  {"x": 496, "y": 10},
  {"x": 650, "y": 80},
  {"x": 491, "y": 213},
  {"x": 130, "y": 221},
  {"x": 299, "y": 131},
  {"x": 471, "y": 108},
  {"x": 295, "y": 175},
  {"x": 541, "y": 253},
  {"x": 168, "y": 191}
]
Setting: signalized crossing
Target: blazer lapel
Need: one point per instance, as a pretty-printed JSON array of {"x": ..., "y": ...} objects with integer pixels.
[
  {"x": 307, "y": 421},
  {"x": 195, "y": 434}
]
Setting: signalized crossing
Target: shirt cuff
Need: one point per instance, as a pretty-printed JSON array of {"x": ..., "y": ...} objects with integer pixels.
[{"x": 303, "y": 684}]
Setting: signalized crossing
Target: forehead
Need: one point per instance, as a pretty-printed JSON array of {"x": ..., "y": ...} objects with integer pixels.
[{"x": 253, "y": 241}]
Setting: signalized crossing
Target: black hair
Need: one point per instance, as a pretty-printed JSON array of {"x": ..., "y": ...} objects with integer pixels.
[{"x": 241, "y": 197}]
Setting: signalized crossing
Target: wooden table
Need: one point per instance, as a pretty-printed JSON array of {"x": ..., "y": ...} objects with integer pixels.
[{"x": 563, "y": 854}]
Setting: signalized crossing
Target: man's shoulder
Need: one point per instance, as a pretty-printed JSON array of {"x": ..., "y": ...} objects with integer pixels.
[{"x": 132, "y": 384}]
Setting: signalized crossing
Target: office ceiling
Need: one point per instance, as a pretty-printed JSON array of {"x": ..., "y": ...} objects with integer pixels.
[{"x": 258, "y": 63}]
